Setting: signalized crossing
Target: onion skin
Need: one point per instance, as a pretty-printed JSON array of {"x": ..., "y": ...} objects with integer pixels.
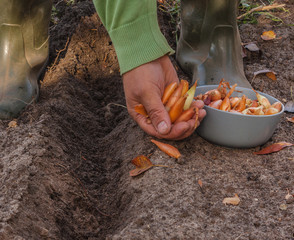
[
  {"x": 186, "y": 115},
  {"x": 141, "y": 110},
  {"x": 222, "y": 88},
  {"x": 226, "y": 105},
  {"x": 241, "y": 105},
  {"x": 262, "y": 100},
  {"x": 216, "y": 104},
  {"x": 177, "y": 109},
  {"x": 234, "y": 101},
  {"x": 277, "y": 105},
  {"x": 185, "y": 87},
  {"x": 214, "y": 94},
  {"x": 168, "y": 91},
  {"x": 168, "y": 149},
  {"x": 254, "y": 103},
  {"x": 234, "y": 111},
  {"x": 199, "y": 97},
  {"x": 190, "y": 96},
  {"x": 271, "y": 111},
  {"x": 206, "y": 99},
  {"x": 254, "y": 111},
  {"x": 174, "y": 97}
]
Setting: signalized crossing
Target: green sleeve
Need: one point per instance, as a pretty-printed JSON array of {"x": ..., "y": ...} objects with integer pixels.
[{"x": 133, "y": 28}]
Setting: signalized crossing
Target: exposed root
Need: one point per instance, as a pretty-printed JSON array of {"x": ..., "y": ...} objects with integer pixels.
[{"x": 57, "y": 57}]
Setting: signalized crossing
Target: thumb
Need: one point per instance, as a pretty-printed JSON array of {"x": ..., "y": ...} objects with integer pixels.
[{"x": 158, "y": 115}]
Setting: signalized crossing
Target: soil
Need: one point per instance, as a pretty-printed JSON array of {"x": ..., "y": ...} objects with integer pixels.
[{"x": 64, "y": 168}]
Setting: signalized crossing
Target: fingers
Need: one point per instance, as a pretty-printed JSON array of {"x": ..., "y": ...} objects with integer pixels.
[
  {"x": 157, "y": 113},
  {"x": 178, "y": 131}
]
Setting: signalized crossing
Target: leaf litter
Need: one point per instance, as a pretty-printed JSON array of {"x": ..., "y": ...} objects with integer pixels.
[
  {"x": 142, "y": 164},
  {"x": 274, "y": 148},
  {"x": 269, "y": 73}
]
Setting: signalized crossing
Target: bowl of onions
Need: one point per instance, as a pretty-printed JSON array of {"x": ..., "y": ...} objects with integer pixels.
[{"x": 237, "y": 117}]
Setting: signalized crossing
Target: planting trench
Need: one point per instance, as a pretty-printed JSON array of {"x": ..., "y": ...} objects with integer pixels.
[{"x": 64, "y": 168}]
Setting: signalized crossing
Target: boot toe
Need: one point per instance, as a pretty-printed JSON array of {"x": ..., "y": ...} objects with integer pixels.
[{"x": 16, "y": 97}]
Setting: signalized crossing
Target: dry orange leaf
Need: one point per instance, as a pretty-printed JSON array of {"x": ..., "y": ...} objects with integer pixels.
[
  {"x": 232, "y": 200},
  {"x": 290, "y": 119},
  {"x": 268, "y": 35},
  {"x": 142, "y": 164},
  {"x": 271, "y": 75},
  {"x": 168, "y": 149},
  {"x": 200, "y": 183},
  {"x": 274, "y": 148}
]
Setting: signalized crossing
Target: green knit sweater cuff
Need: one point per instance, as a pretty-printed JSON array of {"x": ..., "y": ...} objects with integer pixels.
[{"x": 139, "y": 42}]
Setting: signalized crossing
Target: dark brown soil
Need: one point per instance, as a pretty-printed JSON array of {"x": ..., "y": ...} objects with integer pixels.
[{"x": 64, "y": 169}]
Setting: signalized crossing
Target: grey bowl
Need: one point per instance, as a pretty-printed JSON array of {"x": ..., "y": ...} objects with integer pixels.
[{"x": 237, "y": 130}]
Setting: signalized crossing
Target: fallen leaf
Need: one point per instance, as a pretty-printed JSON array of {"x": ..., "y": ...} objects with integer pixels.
[
  {"x": 232, "y": 200},
  {"x": 142, "y": 164},
  {"x": 200, "y": 183},
  {"x": 283, "y": 207},
  {"x": 252, "y": 47},
  {"x": 268, "y": 35},
  {"x": 290, "y": 119},
  {"x": 289, "y": 106},
  {"x": 269, "y": 73},
  {"x": 274, "y": 148},
  {"x": 167, "y": 148},
  {"x": 12, "y": 124}
]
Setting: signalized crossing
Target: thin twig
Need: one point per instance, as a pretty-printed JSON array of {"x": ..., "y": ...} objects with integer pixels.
[{"x": 261, "y": 8}]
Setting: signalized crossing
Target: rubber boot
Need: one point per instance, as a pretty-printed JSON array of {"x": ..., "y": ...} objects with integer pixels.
[
  {"x": 209, "y": 47},
  {"x": 23, "y": 52}
]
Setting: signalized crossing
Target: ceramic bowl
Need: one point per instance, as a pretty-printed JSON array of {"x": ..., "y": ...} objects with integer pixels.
[{"x": 237, "y": 130}]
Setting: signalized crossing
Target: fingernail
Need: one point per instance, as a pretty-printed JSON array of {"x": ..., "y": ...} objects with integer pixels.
[{"x": 162, "y": 127}]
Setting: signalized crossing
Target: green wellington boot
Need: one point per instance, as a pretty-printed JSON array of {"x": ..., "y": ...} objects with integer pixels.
[
  {"x": 209, "y": 47},
  {"x": 23, "y": 52}
]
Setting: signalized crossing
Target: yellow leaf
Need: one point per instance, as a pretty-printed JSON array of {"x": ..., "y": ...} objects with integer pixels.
[{"x": 268, "y": 35}]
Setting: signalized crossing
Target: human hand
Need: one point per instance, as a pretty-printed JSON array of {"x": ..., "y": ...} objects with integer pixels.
[{"x": 145, "y": 85}]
